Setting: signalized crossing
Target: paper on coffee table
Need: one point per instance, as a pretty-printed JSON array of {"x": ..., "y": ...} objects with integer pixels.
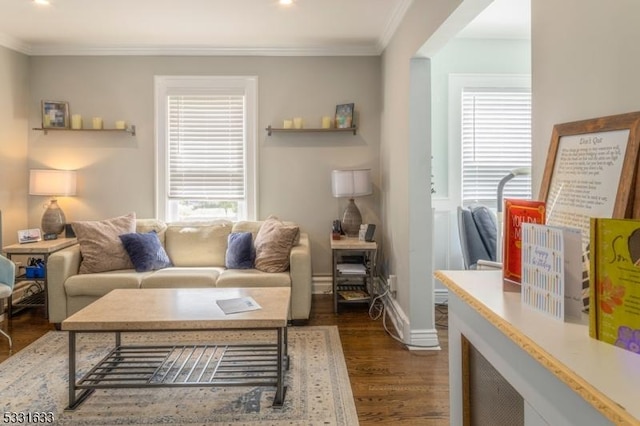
[{"x": 238, "y": 304}]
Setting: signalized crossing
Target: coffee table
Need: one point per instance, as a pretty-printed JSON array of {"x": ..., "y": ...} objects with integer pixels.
[{"x": 159, "y": 310}]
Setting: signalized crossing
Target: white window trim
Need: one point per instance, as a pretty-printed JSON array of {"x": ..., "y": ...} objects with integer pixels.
[
  {"x": 168, "y": 85},
  {"x": 457, "y": 82}
]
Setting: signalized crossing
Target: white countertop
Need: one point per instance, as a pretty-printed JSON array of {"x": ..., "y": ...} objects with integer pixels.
[{"x": 605, "y": 376}]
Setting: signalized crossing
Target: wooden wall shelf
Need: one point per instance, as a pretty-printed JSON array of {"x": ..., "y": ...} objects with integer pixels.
[
  {"x": 130, "y": 129},
  {"x": 270, "y": 130}
]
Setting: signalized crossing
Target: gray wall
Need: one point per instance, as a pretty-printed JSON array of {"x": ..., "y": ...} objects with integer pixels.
[
  {"x": 406, "y": 200},
  {"x": 14, "y": 93},
  {"x": 116, "y": 171}
]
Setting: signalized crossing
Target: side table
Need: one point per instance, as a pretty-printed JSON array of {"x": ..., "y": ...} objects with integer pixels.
[
  {"x": 354, "y": 269},
  {"x": 42, "y": 249}
]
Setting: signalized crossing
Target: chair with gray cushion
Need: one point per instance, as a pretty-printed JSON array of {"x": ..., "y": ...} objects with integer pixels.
[
  {"x": 478, "y": 234},
  {"x": 7, "y": 281}
]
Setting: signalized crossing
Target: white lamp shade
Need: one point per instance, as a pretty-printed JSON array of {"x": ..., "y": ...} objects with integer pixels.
[
  {"x": 351, "y": 183},
  {"x": 52, "y": 182}
]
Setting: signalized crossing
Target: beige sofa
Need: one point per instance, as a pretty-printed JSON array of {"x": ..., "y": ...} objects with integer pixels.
[{"x": 197, "y": 252}]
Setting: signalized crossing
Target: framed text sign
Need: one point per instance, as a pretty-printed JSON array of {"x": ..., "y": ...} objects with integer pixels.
[{"x": 591, "y": 171}]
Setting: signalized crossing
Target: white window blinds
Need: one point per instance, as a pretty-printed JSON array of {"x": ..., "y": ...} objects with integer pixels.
[
  {"x": 206, "y": 138},
  {"x": 496, "y": 138}
]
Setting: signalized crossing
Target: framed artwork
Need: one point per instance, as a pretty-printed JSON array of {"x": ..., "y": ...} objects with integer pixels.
[
  {"x": 591, "y": 170},
  {"x": 29, "y": 235},
  {"x": 344, "y": 116},
  {"x": 55, "y": 115}
]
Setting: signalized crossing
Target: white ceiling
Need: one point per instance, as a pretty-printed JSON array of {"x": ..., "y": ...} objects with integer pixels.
[
  {"x": 503, "y": 19},
  {"x": 239, "y": 27}
]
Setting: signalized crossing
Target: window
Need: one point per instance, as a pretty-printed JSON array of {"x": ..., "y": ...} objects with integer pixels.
[
  {"x": 206, "y": 147},
  {"x": 496, "y": 138}
]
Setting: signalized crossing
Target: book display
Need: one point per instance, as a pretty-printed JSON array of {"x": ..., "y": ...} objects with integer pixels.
[
  {"x": 614, "y": 312},
  {"x": 517, "y": 212}
]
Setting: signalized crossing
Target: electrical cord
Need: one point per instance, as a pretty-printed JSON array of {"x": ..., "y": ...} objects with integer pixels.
[{"x": 378, "y": 309}]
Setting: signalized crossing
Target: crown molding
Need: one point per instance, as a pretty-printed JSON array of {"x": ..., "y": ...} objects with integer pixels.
[
  {"x": 14, "y": 44},
  {"x": 199, "y": 51},
  {"x": 393, "y": 24}
]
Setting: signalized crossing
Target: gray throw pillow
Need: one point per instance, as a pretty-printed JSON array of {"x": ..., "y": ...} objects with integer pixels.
[
  {"x": 240, "y": 251},
  {"x": 145, "y": 251}
]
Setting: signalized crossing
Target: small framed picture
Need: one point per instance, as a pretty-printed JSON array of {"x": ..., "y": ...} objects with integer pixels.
[
  {"x": 344, "y": 116},
  {"x": 29, "y": 235},
  {"x": 55, "y": 115}
]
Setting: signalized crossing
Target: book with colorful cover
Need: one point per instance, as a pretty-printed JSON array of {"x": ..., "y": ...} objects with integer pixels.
[
  {"x": 517, "y": 212},
  {"x": 614, "y": 299},
  {"x": 552, "y": 270}
]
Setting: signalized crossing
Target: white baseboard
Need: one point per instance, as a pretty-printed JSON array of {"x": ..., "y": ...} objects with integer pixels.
[
  {"x": 397, "y": 320},
  {"x": 441, "y": 296},
  {"x": 322, "y": 284},
  {"x": 415, "y": 340}
]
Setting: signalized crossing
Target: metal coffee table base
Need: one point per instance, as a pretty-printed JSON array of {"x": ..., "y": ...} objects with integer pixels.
[{"x": 140, "y": 366}]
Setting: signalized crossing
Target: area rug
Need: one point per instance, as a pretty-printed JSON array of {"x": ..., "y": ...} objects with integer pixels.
[{"x": 318, "y": 390}]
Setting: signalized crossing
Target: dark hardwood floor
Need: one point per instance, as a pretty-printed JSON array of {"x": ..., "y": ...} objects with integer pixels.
[{"x": 391, "y": 385}]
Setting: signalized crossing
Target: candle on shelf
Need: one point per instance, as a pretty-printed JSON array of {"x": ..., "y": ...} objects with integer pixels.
[
  {"x": 97, "y": 122},
  {"x": 76, "y": 121},
  {"x": 121, "y": 124},
  {"x": 297, "y": 123},
  {"x": 287, "y": 124},
  {"x": 326, "y": 122}
]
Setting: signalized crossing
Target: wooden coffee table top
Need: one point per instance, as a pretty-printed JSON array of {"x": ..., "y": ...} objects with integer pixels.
[{"x": 180, "y": 309}]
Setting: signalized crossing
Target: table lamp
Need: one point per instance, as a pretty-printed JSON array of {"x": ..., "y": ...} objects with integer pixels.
[
  {"x": 351, "y": 183},
  {"x": 53, "y": 183}
]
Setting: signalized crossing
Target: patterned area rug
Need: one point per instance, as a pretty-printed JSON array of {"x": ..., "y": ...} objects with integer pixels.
[{"x": 318, "y": 389}]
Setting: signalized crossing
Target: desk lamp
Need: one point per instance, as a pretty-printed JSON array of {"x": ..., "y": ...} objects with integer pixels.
[
  {"x": 351, "y": 183},
  {"x": 499, "y": 213},
  {"x": 52, "y": 183}
]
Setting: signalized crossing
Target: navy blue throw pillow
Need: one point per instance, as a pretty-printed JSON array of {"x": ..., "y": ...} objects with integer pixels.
[
  {"x": 240, "y": 251},
  {"x": 145, "y": 251}
]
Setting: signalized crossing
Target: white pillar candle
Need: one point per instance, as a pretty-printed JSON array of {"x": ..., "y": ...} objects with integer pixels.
[
  {"x": 287, "y": 124},
  {"x": 97, "y": 122},
  {"x": 297, "y": 123},
  {"x": 76, "y": 121},
  {"x": 326, "y": 122},
  {"x": 121, "y": 124}
]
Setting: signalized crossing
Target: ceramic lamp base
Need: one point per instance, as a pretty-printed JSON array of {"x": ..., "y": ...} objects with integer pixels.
[
  {"x": 351, "y": 219},
  {"x": 53, "y": 219}
]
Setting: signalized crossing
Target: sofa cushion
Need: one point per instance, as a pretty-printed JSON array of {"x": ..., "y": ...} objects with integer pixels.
[
  {"x": 100, "y": 246},
  {"x": 252, "y": 226},
  {"x": 197, "y": 245},
  {"x": 99, "y": 284},
  {"x": 273, "y": 245},
  {"x": 148, "y": 225},
  {"x": 181, "y": 277},
  {"x": 145, "y": 251},
  {"x": 252, "y": 278},
  {"x": 241, "y": 253}
]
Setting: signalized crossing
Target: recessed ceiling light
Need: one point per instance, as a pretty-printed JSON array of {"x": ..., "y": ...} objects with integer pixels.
[
  {"x": 42, "y": 2},
  {"x": 286, "y": 2}
]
